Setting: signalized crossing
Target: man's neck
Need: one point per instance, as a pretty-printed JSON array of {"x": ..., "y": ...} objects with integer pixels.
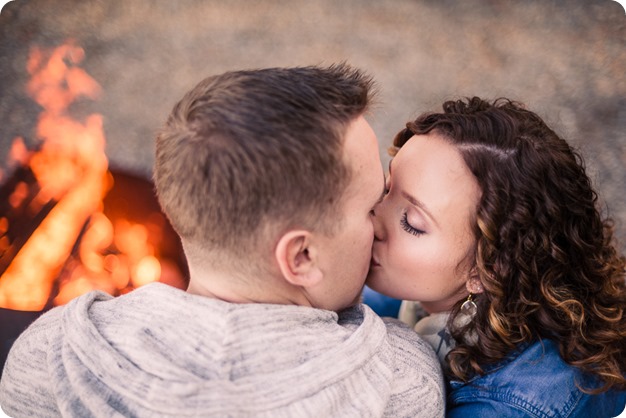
[
  {"x": 226, "y": 295},
  {"x": 234, "y": 289}
]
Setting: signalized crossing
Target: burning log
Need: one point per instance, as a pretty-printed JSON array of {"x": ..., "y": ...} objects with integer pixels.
[{"x": 20, "y": 213}]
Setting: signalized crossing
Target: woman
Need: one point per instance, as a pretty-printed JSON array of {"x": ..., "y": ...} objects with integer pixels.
[{"x": 491, "y": 223}]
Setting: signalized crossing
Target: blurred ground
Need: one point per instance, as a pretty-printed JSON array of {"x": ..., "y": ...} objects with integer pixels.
[{"x": 564, "y": 59}]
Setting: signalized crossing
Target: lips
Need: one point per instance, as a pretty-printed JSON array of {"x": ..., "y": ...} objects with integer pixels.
[{"x": 374, "y": 262}]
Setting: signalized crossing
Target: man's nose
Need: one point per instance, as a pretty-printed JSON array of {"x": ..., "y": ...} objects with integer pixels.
[{"x": 377, "y": 221}]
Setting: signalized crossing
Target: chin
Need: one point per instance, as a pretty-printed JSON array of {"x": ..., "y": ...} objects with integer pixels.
[{"x": 370, "y": 280}]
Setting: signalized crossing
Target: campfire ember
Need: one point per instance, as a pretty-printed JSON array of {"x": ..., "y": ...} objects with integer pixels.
[{"x": 64, "y": 229}]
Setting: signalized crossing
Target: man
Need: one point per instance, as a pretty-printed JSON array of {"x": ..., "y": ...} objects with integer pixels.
[{"x": 269, "y": 177}]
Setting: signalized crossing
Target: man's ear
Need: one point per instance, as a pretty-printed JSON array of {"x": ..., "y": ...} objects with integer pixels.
[{"x": 296, "y": 256}]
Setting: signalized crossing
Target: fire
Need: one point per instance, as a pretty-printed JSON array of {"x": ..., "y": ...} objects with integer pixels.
[{"x": 71, "y": 171}]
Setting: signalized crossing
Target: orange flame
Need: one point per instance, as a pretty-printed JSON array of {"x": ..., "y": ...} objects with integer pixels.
[{"x": 71, "y": 168}]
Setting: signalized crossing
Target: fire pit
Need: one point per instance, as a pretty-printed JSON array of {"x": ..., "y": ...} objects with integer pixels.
[{"x": 68, "y": 224}]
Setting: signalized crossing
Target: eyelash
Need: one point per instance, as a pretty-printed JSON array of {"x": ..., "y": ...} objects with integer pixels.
[{"x": 404, "y": 222}]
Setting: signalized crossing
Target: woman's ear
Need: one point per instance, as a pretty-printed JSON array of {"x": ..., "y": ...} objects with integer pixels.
[{"x": 296, "y": 257}]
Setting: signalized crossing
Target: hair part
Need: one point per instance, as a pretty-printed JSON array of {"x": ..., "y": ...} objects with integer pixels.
[
  {"x": 544, "y": 253},
  {"x": 245, "y": 154}
]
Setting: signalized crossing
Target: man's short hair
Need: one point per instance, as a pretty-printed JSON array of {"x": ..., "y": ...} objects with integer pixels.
[{"x": 248, "y": 149}]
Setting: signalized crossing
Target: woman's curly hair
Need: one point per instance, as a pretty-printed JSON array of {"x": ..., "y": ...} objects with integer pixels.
[{"x": 544, "y": 253}]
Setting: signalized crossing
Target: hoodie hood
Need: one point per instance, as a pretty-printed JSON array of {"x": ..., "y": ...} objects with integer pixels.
[{"x": 158, "y": 348}]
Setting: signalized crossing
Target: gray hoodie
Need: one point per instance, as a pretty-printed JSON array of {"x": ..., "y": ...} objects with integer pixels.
[{"x": 159, "y": 351}]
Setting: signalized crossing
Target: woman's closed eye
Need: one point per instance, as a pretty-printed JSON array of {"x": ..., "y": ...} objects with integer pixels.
[{"x": 404, "y": 222}]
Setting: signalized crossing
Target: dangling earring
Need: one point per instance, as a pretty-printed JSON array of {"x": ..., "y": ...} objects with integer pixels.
[{"x": 469, "y": 307}]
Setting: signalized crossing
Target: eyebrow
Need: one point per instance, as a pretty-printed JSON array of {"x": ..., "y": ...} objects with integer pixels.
[
  {"x": 416, "y": 202},
  {"x": 419, "y": 204}
]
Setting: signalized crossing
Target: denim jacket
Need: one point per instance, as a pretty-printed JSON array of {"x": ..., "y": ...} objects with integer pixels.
[{"x": 532, "y": 382}]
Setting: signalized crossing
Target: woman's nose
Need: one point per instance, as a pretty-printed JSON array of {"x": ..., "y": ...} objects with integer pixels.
[{"x": 377, "y": 221}]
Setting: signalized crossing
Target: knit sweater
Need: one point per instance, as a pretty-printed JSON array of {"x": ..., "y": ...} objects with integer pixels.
[{"x": 159, "y": 351}]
